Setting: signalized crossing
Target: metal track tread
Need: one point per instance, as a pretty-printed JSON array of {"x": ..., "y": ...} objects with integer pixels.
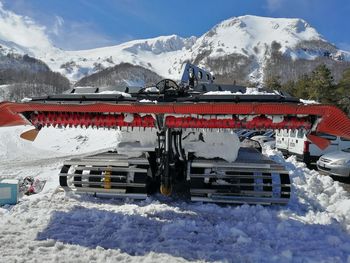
[
  {"x": 108, "y": 174},
  {"x": 241, "y": 200},
  {"x": 231, "y": 183}
]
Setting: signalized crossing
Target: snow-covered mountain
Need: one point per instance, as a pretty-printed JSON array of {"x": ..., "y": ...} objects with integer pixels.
[
  {"x": 249, "y": 41},
  {"x": 240, "y": 48}
]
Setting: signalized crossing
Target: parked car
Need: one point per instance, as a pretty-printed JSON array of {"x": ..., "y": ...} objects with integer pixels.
[
  {"x": 295, "y": 142},
  {"x": 262, "y": 139},
  {"x": 269, "y": 133},
  {"x": 249, "y": 143},
  {"x": 250, "y": 134},
  {"x": 266, "y": 137},
  {"x": 251, "y": 139},
  {"x": 335, "y": 163},
  {"x": 240, "y": 132},
  {"x": 270, "y": 144}
]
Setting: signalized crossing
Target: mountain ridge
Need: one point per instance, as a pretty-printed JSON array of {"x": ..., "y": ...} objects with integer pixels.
[{"x": 239, "y": 49}]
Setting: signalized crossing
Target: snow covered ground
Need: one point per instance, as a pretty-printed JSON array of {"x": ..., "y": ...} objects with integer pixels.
[{"x": 56, "y": 227}]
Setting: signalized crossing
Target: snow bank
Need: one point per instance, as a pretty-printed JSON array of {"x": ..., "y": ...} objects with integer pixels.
[
  {"x": 311, "y": 190},
  {"x": 53, "y": 142},
  {"x": 212, "y": 144}
]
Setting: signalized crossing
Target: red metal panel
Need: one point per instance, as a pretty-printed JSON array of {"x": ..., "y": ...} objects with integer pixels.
[{"x": 322, "y": 143}]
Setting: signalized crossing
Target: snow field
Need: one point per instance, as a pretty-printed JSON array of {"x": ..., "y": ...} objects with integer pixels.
[{"x": 57, "y": 227}]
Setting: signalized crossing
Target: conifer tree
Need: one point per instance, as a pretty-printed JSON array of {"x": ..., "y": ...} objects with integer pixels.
[
  {"x": 322, "y": 85},
  {"x": 273, "y": 83},
  {"x": 343, "y": 91},
  {"x": 303, "y": 87}
]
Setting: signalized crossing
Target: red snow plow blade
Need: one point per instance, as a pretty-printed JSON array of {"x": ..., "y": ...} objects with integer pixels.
[{"x": 207, "y": 115}]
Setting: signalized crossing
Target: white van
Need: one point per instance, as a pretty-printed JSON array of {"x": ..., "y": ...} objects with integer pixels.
[
  {"x": 282, "y": 141},
  {"x": 308, "y": 152}
]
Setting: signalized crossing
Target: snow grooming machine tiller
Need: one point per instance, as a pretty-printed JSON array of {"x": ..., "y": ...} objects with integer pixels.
[{"x": 196, "y": 108}]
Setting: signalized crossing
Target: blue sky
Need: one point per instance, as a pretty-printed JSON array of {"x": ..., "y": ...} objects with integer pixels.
[{"x": 81, "y": 24}]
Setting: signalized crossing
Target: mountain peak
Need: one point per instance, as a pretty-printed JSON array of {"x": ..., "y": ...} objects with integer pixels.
[
  {"x": 266, "y": 27},
  {"x": 160, "y": 44},
  {"x": 253, "y": 35}
]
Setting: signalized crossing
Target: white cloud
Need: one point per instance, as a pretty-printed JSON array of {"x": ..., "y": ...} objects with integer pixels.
[
  {"x": 56, "y": 28},
  {"x": 22, "y": 30},
  {"x": 65, "y": 34}
]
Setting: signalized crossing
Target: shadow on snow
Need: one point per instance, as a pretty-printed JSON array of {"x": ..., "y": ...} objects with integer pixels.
[{"x": 200, "y": 232}]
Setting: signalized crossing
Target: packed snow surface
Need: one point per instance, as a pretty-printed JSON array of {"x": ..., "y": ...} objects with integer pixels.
[{"x": 54, "y": 226}]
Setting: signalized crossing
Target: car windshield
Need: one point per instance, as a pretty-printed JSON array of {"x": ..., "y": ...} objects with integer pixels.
[
  {"x": 240, "y": 132},
  {"x": 346, "y": 150},
  {"x": 268, "y": 133}
]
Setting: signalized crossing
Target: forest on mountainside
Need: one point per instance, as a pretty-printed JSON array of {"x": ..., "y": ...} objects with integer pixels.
[
  {"x": 319, "y": 85},
  {"x": 24, "y": 76},
  {"x": 124, "y": 74}
]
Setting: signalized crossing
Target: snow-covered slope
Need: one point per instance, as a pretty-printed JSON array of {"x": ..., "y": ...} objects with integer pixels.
[
  {"x": 252, "y": 37},
  {"x": 243, "y": 34},
  {"x": 56, "y": 227},
  {"x": 247, "y": 36},
  {"x": 157, "y": 54},
  {"x": 240, "y": 40}
]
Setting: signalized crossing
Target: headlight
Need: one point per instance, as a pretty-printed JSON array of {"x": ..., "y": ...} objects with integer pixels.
[{"x": 341, "y": 162}]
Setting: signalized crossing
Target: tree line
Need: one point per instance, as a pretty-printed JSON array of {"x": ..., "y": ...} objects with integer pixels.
[
  {"x": 120, "y": 75},
  {"x": 24, "y": 83},
  {"x": 319, "y": 85}
]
